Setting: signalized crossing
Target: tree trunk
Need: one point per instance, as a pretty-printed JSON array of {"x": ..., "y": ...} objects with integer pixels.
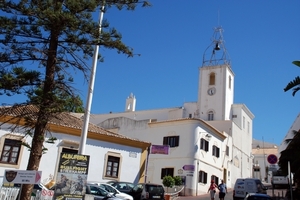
[
  {"x": 44, "y": 114},
  {"x": 35, "y": 156}
]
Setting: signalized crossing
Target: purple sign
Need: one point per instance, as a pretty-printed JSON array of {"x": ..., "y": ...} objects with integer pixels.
[
  {"x": 159, "y": 149},
  {"x": 188, "y": 167}
]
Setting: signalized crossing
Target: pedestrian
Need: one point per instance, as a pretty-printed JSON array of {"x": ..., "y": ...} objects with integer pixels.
[
  {"x": 223, "y": 190},
  {"x": 212, "y": 189}
]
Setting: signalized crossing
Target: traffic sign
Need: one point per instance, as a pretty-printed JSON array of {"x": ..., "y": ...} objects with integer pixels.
[{"x": 272, "y": 159}]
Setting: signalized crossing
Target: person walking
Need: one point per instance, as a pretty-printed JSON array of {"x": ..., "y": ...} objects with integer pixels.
[
  {"x": 223, "y": 190},
  {"x": 212, "y": 189}
]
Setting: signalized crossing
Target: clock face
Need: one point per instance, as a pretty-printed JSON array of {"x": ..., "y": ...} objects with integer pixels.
[{"x": 211, "y": 91}]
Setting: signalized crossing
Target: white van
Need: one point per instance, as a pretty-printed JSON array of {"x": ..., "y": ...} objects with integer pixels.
[{"x": 243, "y": 186}]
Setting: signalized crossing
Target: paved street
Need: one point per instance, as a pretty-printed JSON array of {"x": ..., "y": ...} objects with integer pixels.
[
  {"x": 206, "y": 196},
  {"x": 277, "y": 193}
]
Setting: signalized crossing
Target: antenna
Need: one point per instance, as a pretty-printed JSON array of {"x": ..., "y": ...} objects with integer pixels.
[
  {"x": 216, "y": 53},
  {"x": 219, "y": 17}
]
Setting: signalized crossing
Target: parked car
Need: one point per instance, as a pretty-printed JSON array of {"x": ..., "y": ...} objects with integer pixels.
[
  {"x": 257, "y": 196},
  {"x": 99, "y": 193},
  {"x": 149, "y": 191},
  {"x": 111, "y": 189},
  {"x": 125, "y": 187}
]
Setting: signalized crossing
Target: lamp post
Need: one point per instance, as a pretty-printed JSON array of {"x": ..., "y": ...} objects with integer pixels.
[
  {"x": 264, "y": 157},
  {"x": 87, "y": 112}
]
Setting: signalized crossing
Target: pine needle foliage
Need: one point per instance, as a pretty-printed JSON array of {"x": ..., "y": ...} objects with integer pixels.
[{"x": 44, "y": 42}]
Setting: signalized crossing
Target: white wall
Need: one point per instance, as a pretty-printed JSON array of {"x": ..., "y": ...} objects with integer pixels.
[
  {"x": 187, "y": 153},
  {"x": 95, "y": 149}
]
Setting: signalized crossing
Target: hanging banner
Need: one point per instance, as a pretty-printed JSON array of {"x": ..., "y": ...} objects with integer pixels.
[
  {"x": 71, "y": 176},
  {"x": 160, "y": 149}
]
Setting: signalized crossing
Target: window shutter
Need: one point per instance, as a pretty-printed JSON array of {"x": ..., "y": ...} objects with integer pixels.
[
  {"x": 163, "y": 173},
  {"x": 176, "y": 141},
  {"x": 201, "y": 143},
  {"x": 165, "y": 141},
  {"x": 206, "y": 146},
  {"x": 205, "y": 177}
]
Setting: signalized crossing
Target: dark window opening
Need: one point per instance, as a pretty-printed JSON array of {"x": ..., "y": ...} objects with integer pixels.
[
  {"x": 172, "y": 141},
  {"x": 166, "y": 172},
  {"x": 204, "y": 144}
]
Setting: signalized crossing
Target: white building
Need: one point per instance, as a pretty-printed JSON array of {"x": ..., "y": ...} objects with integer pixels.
[
  {"x": 112, "y": 156},
  {"x": 209, "y": 139},
  {"x": 265, "y": 159}
]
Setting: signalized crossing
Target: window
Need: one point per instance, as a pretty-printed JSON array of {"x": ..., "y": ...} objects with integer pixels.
[
  {"x": 11, "y": 151},
  {"x": 172, "y": 141},
  {"x": 248, "y": 127},
  {"x": 243, "y": 122},
  {"x": 212, "y": 79},
  {"x": 67, "y": 150},
  {"x": 216, "y": 151},
  {"x": 202, "y": 177},
  {"x": 210, "y": 116},
  {"x": 227, "y": 150},
  {"x": 204, "y": 144},
  {"x": 112, "y": 166},
  {"x": 256, "y": 168},
  {"x": 229, "y": 85},
  {"x": 166, "y": 172}
]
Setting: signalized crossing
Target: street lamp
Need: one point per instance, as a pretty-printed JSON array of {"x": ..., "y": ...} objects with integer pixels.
[{"x": 84, "y": 131}]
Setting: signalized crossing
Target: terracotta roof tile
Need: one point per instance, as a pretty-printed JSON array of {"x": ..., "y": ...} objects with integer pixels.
[{"x": 64, "y": 119}]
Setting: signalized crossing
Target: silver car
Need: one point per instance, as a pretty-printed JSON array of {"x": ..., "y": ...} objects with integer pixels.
[
  {"x": 112, "y": 190},
  {"x": 99, "y": 193}
]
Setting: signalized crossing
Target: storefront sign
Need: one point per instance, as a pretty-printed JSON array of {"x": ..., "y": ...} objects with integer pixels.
[{"x": 12, "y": 177}]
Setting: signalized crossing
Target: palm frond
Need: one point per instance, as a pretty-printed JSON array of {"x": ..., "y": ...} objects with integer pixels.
[{"x": 296, "y": 62}]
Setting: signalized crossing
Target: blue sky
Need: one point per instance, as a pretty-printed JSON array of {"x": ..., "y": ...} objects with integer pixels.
[{"x": 261, "y": 37}]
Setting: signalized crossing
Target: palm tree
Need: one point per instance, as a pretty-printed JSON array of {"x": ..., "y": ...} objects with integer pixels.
[{"x": 295, "y": 84}]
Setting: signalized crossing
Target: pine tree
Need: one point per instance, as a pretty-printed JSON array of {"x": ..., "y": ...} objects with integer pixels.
[{"x": 42, "y": 43}]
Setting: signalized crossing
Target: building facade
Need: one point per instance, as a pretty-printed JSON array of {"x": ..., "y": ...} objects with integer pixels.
[
  {"x": 207, "y": 139},
  {"x": 265, "y": 160},
  {"x": 111, "y": 156}
]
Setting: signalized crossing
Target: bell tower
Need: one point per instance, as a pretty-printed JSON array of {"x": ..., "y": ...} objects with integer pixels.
[
  {"x": 216, "y": 81},
  {"x": 130, "y": 103}
]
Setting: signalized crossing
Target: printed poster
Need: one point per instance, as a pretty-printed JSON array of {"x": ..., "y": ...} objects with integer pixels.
[{"x": 71, "y": 176}]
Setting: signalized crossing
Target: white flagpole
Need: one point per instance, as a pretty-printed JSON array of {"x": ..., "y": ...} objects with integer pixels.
[{"x": 87, "y": 113}]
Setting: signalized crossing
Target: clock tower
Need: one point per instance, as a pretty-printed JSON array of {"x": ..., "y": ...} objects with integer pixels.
[{"x": 216, "y": 81}]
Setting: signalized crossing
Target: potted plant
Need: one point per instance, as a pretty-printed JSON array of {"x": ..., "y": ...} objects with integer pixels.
[
  {"x": 169, "y": 182},
  {"x": 178, "y": 181}
]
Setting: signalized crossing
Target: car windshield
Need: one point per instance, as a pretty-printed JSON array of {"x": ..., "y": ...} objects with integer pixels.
[
  {"x": 154, "y": 188},
  {"x": 95, "y": 190},
  {"x": 122, "y": 185},
  {"x": 108, "y": 188}
]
